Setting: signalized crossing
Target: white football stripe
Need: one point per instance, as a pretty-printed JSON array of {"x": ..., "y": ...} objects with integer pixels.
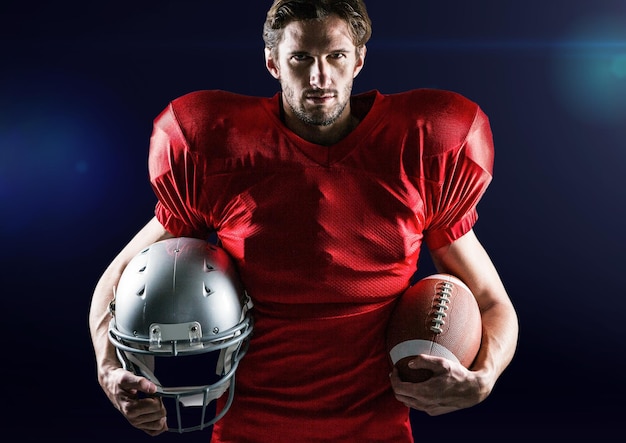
[{"x": 410, "y": 348}]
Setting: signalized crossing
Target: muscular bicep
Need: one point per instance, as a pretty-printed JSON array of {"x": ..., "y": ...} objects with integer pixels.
[
  {"x": 152, "y": 232},
  {"x": 467, "y": 259}
]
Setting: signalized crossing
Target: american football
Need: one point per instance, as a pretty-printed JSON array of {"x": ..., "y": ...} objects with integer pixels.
[{"x": 437, "y": 316}]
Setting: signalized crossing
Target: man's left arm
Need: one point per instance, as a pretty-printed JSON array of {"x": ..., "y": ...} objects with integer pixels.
[{"x": 452, "y": 386}]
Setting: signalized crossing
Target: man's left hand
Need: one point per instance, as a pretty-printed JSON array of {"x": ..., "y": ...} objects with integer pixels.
[{"x": 451, "y": 387}]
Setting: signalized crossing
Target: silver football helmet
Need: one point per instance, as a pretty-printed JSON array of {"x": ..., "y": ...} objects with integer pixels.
[{"x": 181, "y": 299}]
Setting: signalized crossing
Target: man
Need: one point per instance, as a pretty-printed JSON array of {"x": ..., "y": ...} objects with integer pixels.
[{"x": 323, "y": 200}]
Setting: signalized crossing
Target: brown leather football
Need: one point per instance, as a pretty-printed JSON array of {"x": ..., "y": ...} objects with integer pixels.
[{"x": 438, "y": 316}]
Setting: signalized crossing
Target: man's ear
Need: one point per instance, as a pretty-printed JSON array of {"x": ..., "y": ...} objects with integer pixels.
[
  {"x": 360, "y": 61},
  {"x": 271, "y": 64}
]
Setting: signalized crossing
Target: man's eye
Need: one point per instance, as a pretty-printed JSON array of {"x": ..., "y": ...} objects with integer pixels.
[
  {"x": 299, "y": 57},
  {"x": 337, "y": 55}
]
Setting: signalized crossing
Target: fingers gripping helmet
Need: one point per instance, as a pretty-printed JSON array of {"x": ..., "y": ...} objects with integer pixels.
[{"x": 181, "y": 299}]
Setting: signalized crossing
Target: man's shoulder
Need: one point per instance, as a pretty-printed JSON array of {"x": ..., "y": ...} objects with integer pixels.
[
  {"x": 443, "y": 118},
  {"x": 215, "y": 114},
  {"x": 434, "y": 104},
  {"x": 215, "y": 124},
  {"x": 214, "y": 102}
]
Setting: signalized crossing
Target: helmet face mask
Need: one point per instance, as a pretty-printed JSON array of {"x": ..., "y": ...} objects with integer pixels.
[{"x": 179, "y": 308}]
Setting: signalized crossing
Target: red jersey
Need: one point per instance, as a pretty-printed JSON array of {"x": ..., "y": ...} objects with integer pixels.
[{"x": 326, "y": 239}]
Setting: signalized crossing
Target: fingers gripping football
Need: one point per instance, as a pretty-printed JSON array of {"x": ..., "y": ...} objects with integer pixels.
[{"x": 451, "y": 386}]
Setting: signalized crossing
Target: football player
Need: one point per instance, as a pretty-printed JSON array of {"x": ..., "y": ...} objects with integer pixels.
[{"x": 323, "y": 199}]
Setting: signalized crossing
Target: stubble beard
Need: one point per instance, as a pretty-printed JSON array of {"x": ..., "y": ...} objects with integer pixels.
[{"x": 317, "y": 117}]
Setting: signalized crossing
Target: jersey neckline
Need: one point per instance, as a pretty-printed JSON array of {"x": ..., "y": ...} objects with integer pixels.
[{"x": 368, "y": 104}]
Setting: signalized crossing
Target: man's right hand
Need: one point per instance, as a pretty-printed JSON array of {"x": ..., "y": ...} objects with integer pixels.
[{"x": 134, "y": 397}]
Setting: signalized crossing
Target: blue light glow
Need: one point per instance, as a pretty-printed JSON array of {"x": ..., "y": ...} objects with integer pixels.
[
  {"x": 55, "y": 159},
  {"x": 590, "y": 77}
]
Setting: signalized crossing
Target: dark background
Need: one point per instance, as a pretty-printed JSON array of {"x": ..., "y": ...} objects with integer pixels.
[{"x": 81, "y": 82}]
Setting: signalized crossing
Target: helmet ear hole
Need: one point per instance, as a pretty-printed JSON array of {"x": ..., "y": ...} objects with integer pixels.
[{"x": 181, "y": 318}]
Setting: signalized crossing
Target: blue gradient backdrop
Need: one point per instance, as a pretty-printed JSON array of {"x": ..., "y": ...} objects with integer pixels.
[{"x": 80, "y": 84}]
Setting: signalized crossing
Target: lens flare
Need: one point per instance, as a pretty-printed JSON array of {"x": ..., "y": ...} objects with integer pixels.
[{"x": 589, "y": 72}]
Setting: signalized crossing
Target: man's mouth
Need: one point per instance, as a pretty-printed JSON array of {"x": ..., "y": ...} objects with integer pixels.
[{"x": 320, "y": 97}]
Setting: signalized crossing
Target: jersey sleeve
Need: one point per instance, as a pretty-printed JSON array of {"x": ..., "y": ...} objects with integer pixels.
[
  {"x": 175, "y": 178},
  {"x": 456, "y": 181}
]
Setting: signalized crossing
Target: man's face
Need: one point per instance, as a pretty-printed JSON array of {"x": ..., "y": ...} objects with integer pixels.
[{"x": 316, "y": 63}]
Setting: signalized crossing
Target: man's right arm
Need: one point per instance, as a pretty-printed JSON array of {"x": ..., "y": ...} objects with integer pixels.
[{"x": 121, "y": 386}]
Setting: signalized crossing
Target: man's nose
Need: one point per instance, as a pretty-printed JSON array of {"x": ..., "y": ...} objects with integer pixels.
[{"x": 319, "y": 76}]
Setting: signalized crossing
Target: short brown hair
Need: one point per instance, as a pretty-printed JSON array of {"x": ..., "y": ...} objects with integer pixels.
[{"x": 283, "y": 12}]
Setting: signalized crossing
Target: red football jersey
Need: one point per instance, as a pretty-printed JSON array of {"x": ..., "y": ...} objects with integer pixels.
[{"x": 326, "y": 239}]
